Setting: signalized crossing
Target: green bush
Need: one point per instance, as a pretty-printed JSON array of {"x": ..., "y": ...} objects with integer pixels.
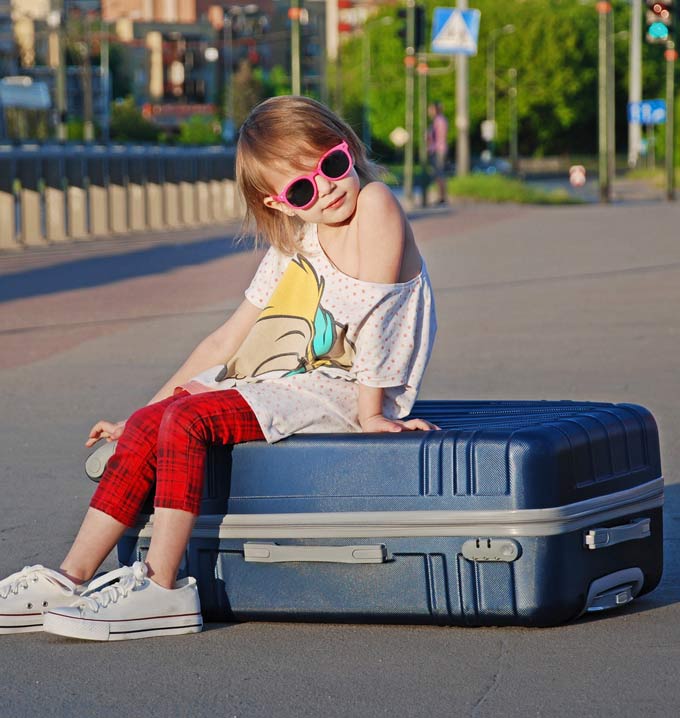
[
  {"x": 496, "y": 188},
  {"x": 200, "y": 130},
  {"x": 75, "y": 130},
  {"x": 128, "y": 124}
]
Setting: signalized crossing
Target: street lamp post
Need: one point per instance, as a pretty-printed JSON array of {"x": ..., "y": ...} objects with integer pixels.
[
  {"x": 670, "y": 55},
  {"x": 635, "y": 81},
  {"x": 366, "y": 76},
  {"x": 514, "y": 144},
  {"x": 55, "y": 21},
  {"x": 605, "y": 79},
  {"x": 294, "y": 14},
  {"x": 227, "y": 88},
  {"x": 491, "y": 81},
  {"x": 105, "y": 76},
  {"x": 86, "y": 70},
  {"x": 223, "y": 56}
]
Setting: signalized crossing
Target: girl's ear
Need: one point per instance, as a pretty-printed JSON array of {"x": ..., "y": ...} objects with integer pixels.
[{"x": 278, "y": 206}]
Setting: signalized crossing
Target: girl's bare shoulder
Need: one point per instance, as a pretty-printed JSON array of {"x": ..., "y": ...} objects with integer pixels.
[
  {"x": 382, "y": 232},
  {"x": 378, "y": 196}
]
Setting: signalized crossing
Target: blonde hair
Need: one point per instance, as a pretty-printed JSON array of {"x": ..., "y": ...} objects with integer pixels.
[{"x": 286, "y": 130}]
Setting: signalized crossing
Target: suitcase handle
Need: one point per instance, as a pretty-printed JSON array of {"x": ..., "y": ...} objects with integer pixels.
[
  {"x": 604, "y": 537},
  {"x": 274, "y": 553}
]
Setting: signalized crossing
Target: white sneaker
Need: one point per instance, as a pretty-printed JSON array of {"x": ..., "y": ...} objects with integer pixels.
[
  {"x": 26, "y": 595},
  {"x": 126, "y": 604}
]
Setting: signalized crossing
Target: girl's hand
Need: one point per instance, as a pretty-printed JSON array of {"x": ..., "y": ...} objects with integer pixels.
[
  {"x": 105, "y": 430},
  {"x": 379, "y": 423}
]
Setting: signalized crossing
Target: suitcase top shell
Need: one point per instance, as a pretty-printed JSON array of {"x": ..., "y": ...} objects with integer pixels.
[{"x": 487, "y": 456}]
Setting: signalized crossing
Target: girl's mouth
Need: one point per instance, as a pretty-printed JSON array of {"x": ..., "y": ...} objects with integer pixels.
[{"x": 336, "y": 203}]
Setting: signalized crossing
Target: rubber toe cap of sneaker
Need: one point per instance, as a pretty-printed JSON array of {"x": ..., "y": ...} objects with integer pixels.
[{"x": 68, "y": 621}]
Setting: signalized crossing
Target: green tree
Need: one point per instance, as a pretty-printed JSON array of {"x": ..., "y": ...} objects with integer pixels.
[
  {"x": 247, "y": 90},
  {"x": 554, "y": 50},
  {"x": 121, "y": 71},
  {"x": 276, "y": 82}
]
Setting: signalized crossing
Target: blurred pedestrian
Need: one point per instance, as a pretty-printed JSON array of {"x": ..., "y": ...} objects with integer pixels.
[{"x": 438, "y": 147}]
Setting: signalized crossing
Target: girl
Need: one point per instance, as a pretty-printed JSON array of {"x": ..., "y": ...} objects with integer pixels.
[{"x": 334, "y": 335}]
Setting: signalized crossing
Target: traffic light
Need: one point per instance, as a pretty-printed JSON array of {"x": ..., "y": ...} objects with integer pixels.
[
  {"x": 419, "y": 22},
  {"x": 420, "y": 27},
  {"x": 402, "y": 31},
  {"x": 660, "y": 20}
]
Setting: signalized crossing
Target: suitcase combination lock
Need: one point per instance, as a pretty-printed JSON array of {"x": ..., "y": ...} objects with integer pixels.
[{"x": 489, "y": 549}]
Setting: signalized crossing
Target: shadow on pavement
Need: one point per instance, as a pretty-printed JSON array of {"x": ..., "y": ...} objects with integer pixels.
[{"x": 105, "y": 269}]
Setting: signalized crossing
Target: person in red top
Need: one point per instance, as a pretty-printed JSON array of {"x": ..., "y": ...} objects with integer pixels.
[{"x": 438, "y": 147}]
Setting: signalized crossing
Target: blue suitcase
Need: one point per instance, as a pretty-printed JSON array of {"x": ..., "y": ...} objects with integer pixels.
[{"x": 516, "y": 513}]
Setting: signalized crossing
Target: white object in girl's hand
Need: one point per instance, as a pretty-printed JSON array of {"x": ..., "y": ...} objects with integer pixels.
[{"x": 97, "y": 460}]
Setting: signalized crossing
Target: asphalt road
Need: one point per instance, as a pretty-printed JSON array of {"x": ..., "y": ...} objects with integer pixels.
[{"x": 540, "y": 303}]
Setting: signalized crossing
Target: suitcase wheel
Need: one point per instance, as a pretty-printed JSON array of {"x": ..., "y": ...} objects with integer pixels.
[{"x": 614, "y": 590}]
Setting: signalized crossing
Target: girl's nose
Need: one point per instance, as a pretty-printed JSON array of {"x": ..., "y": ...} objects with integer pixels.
[{"x": 323, "y": 185}]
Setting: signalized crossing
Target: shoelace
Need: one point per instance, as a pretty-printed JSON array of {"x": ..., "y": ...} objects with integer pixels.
[
  {"x": 21, "y": 579},
  {"x": 117, "y": 584}
]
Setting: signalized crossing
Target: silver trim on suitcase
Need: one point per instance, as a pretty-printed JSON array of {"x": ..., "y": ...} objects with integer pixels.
[{"x": 367, "y": 524}]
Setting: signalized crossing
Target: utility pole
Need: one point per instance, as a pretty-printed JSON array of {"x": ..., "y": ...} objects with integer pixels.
[
  {"x": 514, "y": 140},
  {"x": 86, "y": 70},
  {"x": 104, "y": 67},
  {"x": 604, "y": 10},
  {"x": 366, "y": 81},
  {"x": 331, "y": 70},
  {"x": 661, "y": 19},
  {"x": 422, "y": 70},
  {"x": 611, "y": 102},
  {"x": 55, "y": 21},
  {"x": 462, "y": 109},
  {"x": 670, "y": 55},
  {"x": 635, "y": 80},
  {"x": 410, "y": 65},
  {"x": 294, "y": 14},
  {"x": 494, "y": 36}
]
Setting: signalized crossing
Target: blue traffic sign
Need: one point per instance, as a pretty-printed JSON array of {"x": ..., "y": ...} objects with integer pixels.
[
  {"x": 647, "y": 112},
  {"x": 454, "y": 31}
]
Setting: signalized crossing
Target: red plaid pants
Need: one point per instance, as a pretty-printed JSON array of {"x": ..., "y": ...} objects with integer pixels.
[{"x": 165, "y": 443}]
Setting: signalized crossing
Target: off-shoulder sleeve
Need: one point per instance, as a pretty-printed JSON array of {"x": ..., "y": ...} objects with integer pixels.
[
  {"x": 266, "y": 277},
  {"x": 396, "y": 337}
]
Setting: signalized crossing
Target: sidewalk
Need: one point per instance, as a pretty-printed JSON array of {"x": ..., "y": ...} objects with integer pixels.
[{"x": 576, "y": 302}]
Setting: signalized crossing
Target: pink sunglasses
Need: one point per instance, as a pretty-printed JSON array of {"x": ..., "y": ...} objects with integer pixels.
[{"x": 302, "y": 192}]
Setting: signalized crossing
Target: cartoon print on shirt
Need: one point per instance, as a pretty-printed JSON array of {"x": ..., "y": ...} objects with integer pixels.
[{"x": 294, "y": 334}]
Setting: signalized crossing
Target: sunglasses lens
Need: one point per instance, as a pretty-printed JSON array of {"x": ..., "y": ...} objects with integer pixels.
[
  {"x": 300, "y": 193},
  {"x": 336, "y": 164}
]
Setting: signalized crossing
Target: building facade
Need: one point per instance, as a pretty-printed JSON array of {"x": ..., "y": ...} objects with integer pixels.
[{"x": 176, "y": 11}]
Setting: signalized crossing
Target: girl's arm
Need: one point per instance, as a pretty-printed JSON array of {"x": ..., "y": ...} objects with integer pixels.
[
  {"x": 215, "y": 349},
  {"x": 371, "y": 417},
  {"x": 388, "y": 254}
]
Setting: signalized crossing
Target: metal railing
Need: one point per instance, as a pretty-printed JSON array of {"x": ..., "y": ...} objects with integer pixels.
[{"x": 57, "y": 192}]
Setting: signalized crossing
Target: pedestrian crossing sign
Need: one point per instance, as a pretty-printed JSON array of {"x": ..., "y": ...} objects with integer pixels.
[{"x": 454, "y": 31}]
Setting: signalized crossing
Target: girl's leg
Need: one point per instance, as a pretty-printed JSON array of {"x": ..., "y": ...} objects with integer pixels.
[
  {"x": 124, "y": 486},
  {"x": 136, "y": 607},
  {"x": 187, "y": 428},
  {"x": 97, "y": 536}
]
